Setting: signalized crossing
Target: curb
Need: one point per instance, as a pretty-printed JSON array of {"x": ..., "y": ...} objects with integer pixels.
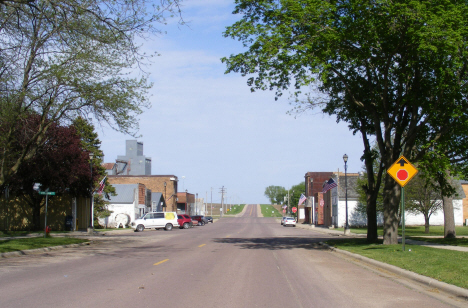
[
  {"x": 40, "y": 250},
  {"x": 427, "y": 281}
]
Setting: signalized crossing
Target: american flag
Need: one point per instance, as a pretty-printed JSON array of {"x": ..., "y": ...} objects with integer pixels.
[
  {"x": 302, "y": 199},
  {"x": 329, "y": 185},
  {"x": 101, "y": 185}
]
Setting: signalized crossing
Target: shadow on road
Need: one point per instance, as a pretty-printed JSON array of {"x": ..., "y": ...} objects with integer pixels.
[{"x": 274, "y": 243}]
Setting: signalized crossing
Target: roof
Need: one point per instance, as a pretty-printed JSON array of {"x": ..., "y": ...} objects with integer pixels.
[
  {"x": 108, "y": 166},
  {"x": 156, "y": 196},
  {"x": 125, "y": 193},
  {"x": 350, "y": 180}
]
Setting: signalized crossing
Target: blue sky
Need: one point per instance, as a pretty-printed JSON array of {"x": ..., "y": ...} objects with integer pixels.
[{"x": 208, "y": 126}]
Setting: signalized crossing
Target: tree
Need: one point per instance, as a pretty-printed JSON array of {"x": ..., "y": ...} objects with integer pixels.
[
  {"x": 63, "y": 58},
  {"x": 420, "y": 197},
  {"x": 59, "y": 165},
  {"x": 394, "y": 71},
  {"x": 275, "y": 194},
  {"x": 91, "y": 144},
  {"x": 295, "y": 194}
]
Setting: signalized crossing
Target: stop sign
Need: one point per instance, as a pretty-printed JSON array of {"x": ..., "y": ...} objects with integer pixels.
[{"x": 294, "y": 209}]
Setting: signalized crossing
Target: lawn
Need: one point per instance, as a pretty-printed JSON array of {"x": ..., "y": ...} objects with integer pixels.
[
  {"x": 415, "y": 231},
  {"x": 269, "y": 211},
  {"x": 441, "y": 264},
  {"x": 235, "y": 209},
  {"x": 36, "y": 242}
]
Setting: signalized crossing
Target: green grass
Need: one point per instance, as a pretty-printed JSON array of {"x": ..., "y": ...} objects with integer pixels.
[
  {"x": 269, "y": 211},
  {"x": 236, "y": 209},
  {"x": 415, "y": 231},
  {"x": 36, "y": 242},
  {"x": 16, "y": 233},
  {"x": 441, "y": 264}
]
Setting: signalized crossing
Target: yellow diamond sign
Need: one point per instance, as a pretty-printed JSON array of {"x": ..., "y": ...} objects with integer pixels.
[{"x": 402, "y": 171}]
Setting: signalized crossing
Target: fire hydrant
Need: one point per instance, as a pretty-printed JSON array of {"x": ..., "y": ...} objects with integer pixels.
[{"x": 47, "y": 231}]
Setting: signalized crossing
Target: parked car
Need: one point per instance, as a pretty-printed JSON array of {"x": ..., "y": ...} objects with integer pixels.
[
  {"x": 289, "y": 221},
  {"x": 209, "y": 218},
  {"x": 200, "y": 219},
  {"x": 185, "y": 221},
  {"x": 155, "y": 220},
  {"x": 283, "y": 219}
]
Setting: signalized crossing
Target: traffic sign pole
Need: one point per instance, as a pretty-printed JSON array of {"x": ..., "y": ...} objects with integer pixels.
[
  {"x": 402, "y": 171},
  {"x": 403, "y": 217}
]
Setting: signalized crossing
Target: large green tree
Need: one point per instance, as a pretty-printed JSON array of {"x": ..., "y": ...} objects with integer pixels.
[
  {"x": 91, "y": 144},
  {"x": 422, "y": 198},
  {"x": 275, "y": 194},
  {"x": 59, "y": 165},
  {"x": 64, "y": 58},
  {"x": 395, "y": 71}
]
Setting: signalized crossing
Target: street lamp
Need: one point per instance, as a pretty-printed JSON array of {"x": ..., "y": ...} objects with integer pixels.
[
  {"x": 165, "y": 184},
  {"x": 91, "y": 203},
  {"x": 345, "y": 159}
]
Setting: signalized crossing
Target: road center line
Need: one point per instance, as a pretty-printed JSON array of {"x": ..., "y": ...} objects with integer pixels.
[
  {"x": 161, "y": 262},
  {"x": 202, "y": 245}
]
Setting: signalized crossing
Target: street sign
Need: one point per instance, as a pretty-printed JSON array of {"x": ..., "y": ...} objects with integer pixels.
[
  {"x": 49, "y": 193},
  {"x": 402, "y": 171},
  {"x": 294, "y": 209}
]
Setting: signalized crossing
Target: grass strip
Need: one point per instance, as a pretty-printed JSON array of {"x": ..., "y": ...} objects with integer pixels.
[
  {"x": 441, "y": 264},
  {"x": 235, "y": 209},
  {"x": 415, "y": 231},
  {"x": 36, "y": 242},
  {"x": 269, "y": 211}
]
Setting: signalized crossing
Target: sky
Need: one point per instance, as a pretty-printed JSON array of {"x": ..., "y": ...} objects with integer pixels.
[{"x": 208, "y": 127}]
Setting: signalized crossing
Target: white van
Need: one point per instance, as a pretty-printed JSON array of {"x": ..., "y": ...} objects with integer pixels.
[{"x": 156, "y": 220}]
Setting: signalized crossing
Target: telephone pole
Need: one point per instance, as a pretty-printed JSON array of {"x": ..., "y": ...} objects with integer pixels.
[{"x": 222, "y": 191}]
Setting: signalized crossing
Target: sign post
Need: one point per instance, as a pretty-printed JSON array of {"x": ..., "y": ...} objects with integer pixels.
[
  {"x": 402, "y": 171},
  {"x": 47, "y": 193}
]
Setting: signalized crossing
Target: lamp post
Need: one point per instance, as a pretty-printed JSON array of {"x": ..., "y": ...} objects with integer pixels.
[
  {"x": 345, "y": 159},
  {"x": 91, "y": 202},
  {"x": 165, "y": 184}
]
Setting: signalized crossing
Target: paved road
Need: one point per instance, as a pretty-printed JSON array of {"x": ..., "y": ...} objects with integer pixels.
[{"x": 243, "y": 261}]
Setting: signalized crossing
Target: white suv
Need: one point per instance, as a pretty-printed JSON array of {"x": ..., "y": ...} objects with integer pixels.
[{"x": 156, "y": 220}]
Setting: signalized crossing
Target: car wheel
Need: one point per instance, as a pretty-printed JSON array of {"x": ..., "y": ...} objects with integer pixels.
[
  {"x": 203, "y": 223},
  {"x": 140, "y": 228},
  {"x": 168, "y": 227},
  {"x": 186, "y": 225}
]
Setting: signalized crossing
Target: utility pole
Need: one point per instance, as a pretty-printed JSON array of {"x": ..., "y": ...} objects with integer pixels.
[
  {"x": 211, "y": 201},
  {"x": 223, "y": 191}
]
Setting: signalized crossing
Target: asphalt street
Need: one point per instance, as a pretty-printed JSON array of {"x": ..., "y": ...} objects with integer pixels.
[{"x": 245, "y": 261}]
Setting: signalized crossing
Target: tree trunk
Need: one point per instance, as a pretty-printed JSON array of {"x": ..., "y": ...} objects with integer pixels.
[
  {"x": 372, "y": 217},
  {"x": 426, "y": 223},
  {"x": 449, "y": 218},
  {"x": 36, "y": 220},
  {"x": 392, "y": 193}
]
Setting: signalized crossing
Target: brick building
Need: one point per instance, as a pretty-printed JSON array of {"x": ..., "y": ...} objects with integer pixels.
[
  {"x": 165, "y": 184},
  {"x": 329, "y": 208}
]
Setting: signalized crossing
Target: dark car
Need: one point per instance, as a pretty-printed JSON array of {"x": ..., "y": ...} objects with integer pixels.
[
  {"x": 201, "y": 219},
  {"x": 209, "y": 218},
  {"x": 184, "y": 221}
]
